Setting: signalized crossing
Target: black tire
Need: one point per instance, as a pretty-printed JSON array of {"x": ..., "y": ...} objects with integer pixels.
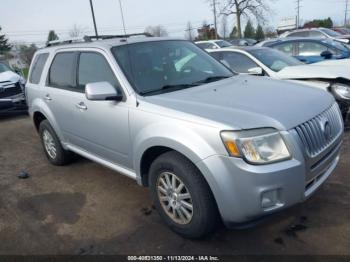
[
  {"x": 205, "y": 213},
  {"x": 63, "y": 157}
]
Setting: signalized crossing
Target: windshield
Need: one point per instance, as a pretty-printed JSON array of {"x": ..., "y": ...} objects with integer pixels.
[
  {"x": 162, "y": 66},
  {"x": 337, "y": 45},
  {"x": 330, "y": 32},
  {"x": 4, "y": 68},
  {"x": 273, "y": 59},
  {"x": 223, "y": 43}
]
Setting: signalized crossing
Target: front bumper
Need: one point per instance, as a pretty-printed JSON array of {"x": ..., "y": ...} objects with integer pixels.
[
  {"x": 13, "y": 103},
  {"x": 240, "y": 189}
]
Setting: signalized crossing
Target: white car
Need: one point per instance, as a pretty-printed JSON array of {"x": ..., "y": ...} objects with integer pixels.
[
  {"x": 318, "y": 33},
  {"x": 262, "y": 61},
  {"x": 213, "y": 44},
  {"x": 12, "y": 96}
]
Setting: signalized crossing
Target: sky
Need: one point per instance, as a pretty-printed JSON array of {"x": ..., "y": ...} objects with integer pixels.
[{"x": 29, "y": 21}]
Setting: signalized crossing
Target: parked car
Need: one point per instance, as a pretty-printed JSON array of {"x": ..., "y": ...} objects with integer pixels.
[
  {"x": 243, "y": 42},
  {"x": 206, "y": 142},
  {"x": 264, "y": 61},
  {"x": 309, "y": 50},
  {"x": 213, "y": 44},
  {"x": 318, "y": 33},
  {"x": 342, "y": 30},
  {"x": 11, "y": 90}
]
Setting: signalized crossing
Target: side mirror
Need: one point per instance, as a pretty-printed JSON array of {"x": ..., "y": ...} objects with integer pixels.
[
  {"x": 102, "y": 91},
  {"x": 255, "y": 71},
  {"x": 326, "y": 54}
]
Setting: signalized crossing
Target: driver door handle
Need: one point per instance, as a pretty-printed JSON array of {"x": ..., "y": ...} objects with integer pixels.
[{"x": 81, "y": 106}]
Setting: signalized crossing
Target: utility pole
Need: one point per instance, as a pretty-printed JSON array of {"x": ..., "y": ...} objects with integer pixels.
[
  {"x": 298, "y": 13},
  {"x": 215, "y": 19},
  {"x": 346, "y": 12},
  {"x": 93, "y": 17}
]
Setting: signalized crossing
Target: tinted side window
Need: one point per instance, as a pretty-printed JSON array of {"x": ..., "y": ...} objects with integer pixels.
[
  {"x": 238, "y": 62},
  {"x": 93, "y": 68},
  {"x": 299, "y": 34},
  {"x": 286, "y": 48},
  {"x": 317, "y": 34},
  {"x": 63, "y": 70},
  {"x": 311, "y": 49},
  {"x": 38, "y": 66},
  {"x": 216, "y": 55}
]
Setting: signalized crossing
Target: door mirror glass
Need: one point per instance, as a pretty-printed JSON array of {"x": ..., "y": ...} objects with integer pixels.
[
  {"x": 326, "y": 54},
  {"x": 102, "y": 91},
  {"x": 255, "y": 71}
]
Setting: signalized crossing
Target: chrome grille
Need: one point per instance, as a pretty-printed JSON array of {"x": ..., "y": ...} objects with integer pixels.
[{"x": 320, "y": 132}]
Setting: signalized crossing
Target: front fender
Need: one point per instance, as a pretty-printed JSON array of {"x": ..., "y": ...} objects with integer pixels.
[{"x": 196, "y": 146}]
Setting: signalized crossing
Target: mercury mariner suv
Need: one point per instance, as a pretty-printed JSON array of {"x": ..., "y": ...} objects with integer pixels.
[{"x": 209, "y": 144}]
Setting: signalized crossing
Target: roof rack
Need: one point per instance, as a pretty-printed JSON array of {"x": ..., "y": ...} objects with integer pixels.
[{"x": 91, "y": 38}]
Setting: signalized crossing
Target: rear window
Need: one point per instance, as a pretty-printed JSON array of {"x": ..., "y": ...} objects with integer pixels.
[
  {"x": 62, "y": 72},
  {"x": 37, "y": 69}
]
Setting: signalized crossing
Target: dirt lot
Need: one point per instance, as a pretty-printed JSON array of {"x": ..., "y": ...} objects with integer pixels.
[{"x": 85, "y": 208}]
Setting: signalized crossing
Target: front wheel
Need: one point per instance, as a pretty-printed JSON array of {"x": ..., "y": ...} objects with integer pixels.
[
  {"x": 54, "y": 151},
  {"x": 182, "y": 196}
]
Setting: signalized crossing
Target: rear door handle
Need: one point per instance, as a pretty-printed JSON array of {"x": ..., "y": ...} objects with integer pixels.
[
  {"x": 81, "y": 106},
  {"x": 48, "y": 97}
]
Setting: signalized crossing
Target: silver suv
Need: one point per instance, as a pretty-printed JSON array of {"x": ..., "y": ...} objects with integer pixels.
[{"x": 208, "y": 144}]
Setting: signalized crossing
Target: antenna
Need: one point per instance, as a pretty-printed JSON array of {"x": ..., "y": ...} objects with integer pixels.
[{"x": 122, "y": 13}]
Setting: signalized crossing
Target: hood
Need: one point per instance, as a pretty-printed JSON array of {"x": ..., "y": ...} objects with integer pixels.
[
  {"x": 314, "y": 71},
  {"x": 9, "y": 76},
  {"x": 246, "y": 102}
]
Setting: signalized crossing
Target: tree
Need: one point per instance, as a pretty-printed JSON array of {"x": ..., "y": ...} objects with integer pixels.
[
  {"x": 224, "y": 26},
  {"x": 52, "y": 36},
  {"x": 247, "y": 8},
  {"x": 328, "y": 23},
  {"x": 189, "y": 35},
  {"x": 249, "y": 31},
  {"x": 270, "y": 33},
  {"x": 4, "y": 45},
  {"x": 76, "y": 31},
  {"x": 157, "y": 30},
  {"x": 259, "y": 35},
  {"x": 206, "y": 32},
  {"x": 26, "y": 53},
  {"x": 234, "y": 32}
]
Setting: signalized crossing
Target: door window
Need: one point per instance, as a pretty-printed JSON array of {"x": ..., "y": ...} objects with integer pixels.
[
  {"x": 310, "y": 49},
  {"x": 63, "y": 71},
  {"x": 286, "y": 48},
  {"x": 93, "y": 68},
  {"x": 238, "y": 62}
]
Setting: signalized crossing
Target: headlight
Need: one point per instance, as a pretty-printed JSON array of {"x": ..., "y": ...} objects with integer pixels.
[
  {"x": 259, "y": 146},
  {"x": 342, "y": 90}
]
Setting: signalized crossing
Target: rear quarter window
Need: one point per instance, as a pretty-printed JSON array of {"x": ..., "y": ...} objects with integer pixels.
[{"x": 37, "y": 68}]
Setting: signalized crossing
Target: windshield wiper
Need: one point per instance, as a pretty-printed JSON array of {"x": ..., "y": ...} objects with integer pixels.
[
  {"x": 168, "y": 87},
  {"x": 210, "y": 79}
]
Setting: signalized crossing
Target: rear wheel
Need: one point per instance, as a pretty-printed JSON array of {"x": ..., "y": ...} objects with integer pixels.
[
  {"x": 182, "y": 196},
  {"x": 54, "y": 151}
]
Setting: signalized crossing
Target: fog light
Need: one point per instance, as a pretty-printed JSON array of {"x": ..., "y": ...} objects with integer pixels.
[{"x": 271, "y": 199}]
